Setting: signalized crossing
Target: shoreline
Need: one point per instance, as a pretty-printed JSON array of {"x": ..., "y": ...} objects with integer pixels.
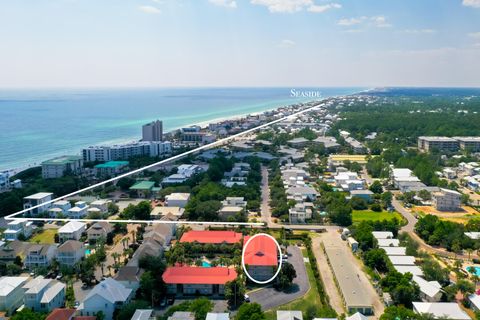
[{"x": 203, "y": 124}]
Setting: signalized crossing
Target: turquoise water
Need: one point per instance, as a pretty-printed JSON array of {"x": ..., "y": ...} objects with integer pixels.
[
  {"x": 87, "y": 252},
  {"x": 477, "y": 270},
  {"x": 39, "y": 124},
  {"x": 206, "y": 264}
]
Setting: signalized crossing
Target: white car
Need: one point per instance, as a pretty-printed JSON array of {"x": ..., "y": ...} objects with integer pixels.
[{"x": 246, "y": 298}]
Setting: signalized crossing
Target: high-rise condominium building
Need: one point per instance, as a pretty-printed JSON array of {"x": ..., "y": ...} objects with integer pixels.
[{"x": 152, "y": 131}]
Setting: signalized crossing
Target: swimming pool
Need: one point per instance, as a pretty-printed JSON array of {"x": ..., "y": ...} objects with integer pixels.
[
  {"x": 88, "y": 252},
  {"x": 477, "y": 270},
  {"x": 206, "y": 264}
]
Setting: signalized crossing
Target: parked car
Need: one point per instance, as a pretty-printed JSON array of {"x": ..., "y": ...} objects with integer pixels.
[{"x": 246, "y": 297}]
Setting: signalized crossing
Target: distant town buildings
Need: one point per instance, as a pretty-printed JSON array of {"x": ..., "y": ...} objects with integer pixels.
[
  {"x": 449, "y": 144},
  {"x": 152, "y": 131},
  {"x": 126, "y": 151},
  {"x": 60, "y": 166}
]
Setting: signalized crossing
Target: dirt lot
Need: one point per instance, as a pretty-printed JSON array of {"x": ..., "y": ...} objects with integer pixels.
[{"x": 463, "y": 216}]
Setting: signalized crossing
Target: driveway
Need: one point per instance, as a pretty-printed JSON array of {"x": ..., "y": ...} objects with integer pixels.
[
  {"x": 265, "y": 206},
  {"x": 270, "y": 298},
  {"x": 326, "y": 273},
  {"x": 80, "y": 293}
]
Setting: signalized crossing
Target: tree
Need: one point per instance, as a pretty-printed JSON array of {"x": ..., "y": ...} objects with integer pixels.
[
  {"x": 234, "y": 292},
  {"x": 340, "y": 213},
  {"x": 376, "y": 187},
  {"x": 147, "y": 285},
  {"x": 465, "y": 287},
  {"x": 250, "y": 311},
  {"x": 358, "y": 203},
  {"x": 127, "y": 311},
  {"x": 286, "y": 276},
  {"x": 386, "y": 198},
  {"x": 398, "y": 312},
  {"x": 28, "y": 314},
  {"x": 200, "y": 307},
  {"x": 377, "y": 259}
]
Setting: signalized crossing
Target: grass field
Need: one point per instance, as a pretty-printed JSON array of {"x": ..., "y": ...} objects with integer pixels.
[
  {"x": 46, "y": 236},
  {"x": 311, "y": 298},
  {"x": 368, "y": 215}
]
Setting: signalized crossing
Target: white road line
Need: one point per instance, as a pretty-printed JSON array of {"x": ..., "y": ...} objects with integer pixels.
[{"x": 176, "y": 157}]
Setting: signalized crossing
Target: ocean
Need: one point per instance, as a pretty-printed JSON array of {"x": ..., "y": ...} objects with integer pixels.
[{"x": 37, "y": 125}]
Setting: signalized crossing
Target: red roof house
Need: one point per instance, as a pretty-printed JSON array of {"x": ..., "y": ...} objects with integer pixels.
[
  {"x": 61, "y": 314},
  {"x": 198, "y": 275},
  {"x": 214, "y": 237},
  {"x": 261, "y": 251}
]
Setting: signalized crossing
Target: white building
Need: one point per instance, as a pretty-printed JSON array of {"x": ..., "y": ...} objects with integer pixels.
[
  {"x": 43, "y": 295},
  {"x": 217, "y": 316},
  {"x": 71, "y": 231},
  {"x": 446, "y": 200},
  {"x": 16, "y": 228},
  {"x": 402, "y": 260},
  {"x": 289, "y": 315},
  {"x": 430, "y": 291},
  {"x": 382, "y": 235},
  {"x": 40, "y": 255},
  {"x": 125, "y": 151},
  {"x": 300, "y": 212},
  {"x": 59, "y": 207},
  {"x": 106, "y": 296},
  {"x": 58, "y": 167},
  {"x": 37, "y": 199},
  {"x": 11, "y": 293},
  {"x": 77, "y": 212},
  {"x": 449, "y": 310},
  {"x": 177, "y": 200},
  {"x": 99, "y": 230}
]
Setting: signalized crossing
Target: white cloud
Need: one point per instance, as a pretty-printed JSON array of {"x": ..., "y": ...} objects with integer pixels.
[
  {"x": 376, "y": 21},
  {"x": 417, "y": 31},
  {"x": 224, "y": 3},
  {"x": 149, "y": 9},
  {"x": 322, "y": 8},
  {"x": 286, "y": 43},
  {"x": 291, "y": 6},
  {"x": 471, "y": 3},
  {"x": 350, "y": 21},
  {"x": 380, "y": 22},
  {"x": 474, "y": 35}
]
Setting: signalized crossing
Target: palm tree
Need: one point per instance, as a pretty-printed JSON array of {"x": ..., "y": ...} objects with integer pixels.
[
  {"x": 469, "y": 250},
  {"x": 109, "y": 267}
]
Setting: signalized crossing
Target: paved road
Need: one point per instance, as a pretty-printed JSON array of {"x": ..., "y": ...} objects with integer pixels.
[
  {"x": 411, "y": 220},
  {"x": 326, "y": 273},
  {"x": 265, "y": 207},
  {"x": 410, "y": 229},
  {"x": 270, "y": 298}
]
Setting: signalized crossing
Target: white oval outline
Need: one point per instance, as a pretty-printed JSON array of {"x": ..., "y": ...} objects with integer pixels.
[{"x": 280, "y": 262}]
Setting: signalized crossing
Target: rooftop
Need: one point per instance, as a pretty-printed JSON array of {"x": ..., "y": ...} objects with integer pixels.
[
  {"x": 143, "y": 185},
  {"x": 61, "y": 314},
  {"x": 38, "y": 196},
  {"x": 450, "y": 310},
  {"x": 198, "y": 275},
  {"x": 8, "y": 284},
  {"x": 112, "y": 164},
  {"x": 62, "y": 160},
  {"x": 71, "y": 226},
  {"x": 216, "y": 237},
  {"x": 261, "y": 251}
]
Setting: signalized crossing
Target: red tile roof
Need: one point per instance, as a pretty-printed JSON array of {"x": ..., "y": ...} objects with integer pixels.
[
  {"x": 61, "y": 314},
  {"x": 211, "y": 237},
  {"x": 261, "y": 251},
  {"x": 85, "y": 318},
  {"x": 198, "y": 275}
]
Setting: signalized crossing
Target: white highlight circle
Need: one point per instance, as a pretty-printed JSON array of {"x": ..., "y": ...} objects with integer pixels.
[{"x": 243, "y": 259}]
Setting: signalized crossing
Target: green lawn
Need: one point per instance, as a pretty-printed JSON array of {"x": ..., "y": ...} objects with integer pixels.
[
  {"x": 311, "y": 298},
  {"x": 363, "y": 215},
  {"x": 45, "y": 236}
]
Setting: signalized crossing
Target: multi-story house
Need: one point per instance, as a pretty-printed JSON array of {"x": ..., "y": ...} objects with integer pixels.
[
  {"x": 37, "y": 199},
  {"x": 70, "y": 252},
  {"x": 71, "y": 231},
  {"x": 16, "y": 228},
  {"x": 11, "y": 293},
  {"x": 40, "y": 255},
  {"x": 42, "y": 295}
]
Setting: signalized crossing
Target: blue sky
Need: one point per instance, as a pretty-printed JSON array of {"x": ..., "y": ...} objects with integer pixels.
[{"x": 170, "y": 43}]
